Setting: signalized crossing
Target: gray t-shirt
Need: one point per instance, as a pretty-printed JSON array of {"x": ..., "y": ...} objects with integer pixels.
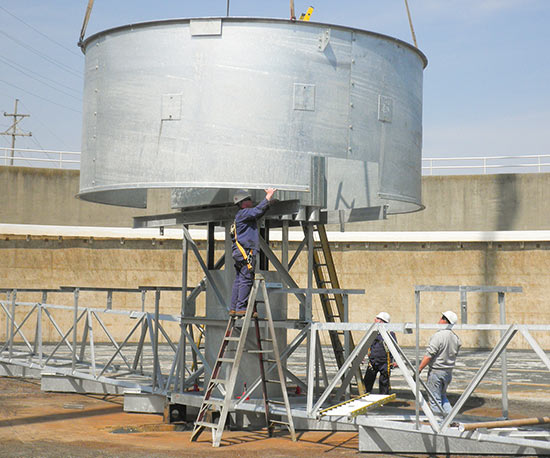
[{"x": 443, "y": 349}]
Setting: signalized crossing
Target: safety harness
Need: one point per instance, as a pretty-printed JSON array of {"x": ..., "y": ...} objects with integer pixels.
[
  {"x": 247, "y": 257},
  {"x": 388, "y": 361}
]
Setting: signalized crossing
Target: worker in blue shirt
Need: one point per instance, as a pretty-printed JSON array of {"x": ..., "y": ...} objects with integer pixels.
[
  {"x": 245, "y": 246},
  {"x": 380, "y": 360}
]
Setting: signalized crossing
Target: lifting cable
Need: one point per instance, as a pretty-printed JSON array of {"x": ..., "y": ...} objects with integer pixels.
[
  {"x": 85, "y": 23},
  {"x": 411, "y": 24}
]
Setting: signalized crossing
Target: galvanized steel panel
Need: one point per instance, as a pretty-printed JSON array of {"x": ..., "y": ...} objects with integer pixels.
[{"x": 250, "y": 103}]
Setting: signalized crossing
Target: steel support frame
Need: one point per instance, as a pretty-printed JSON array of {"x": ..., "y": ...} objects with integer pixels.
[
  {"x": 330, "y": 388},
  {"x": 463, "y": 291}
]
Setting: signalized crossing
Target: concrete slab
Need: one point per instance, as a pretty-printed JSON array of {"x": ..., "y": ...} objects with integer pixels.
[{"x": 376, "y": 440}]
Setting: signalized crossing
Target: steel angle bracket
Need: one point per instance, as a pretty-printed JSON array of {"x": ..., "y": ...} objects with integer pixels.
[
  {"x": 358, "y": 405},
  {"x": 324, "y": 40}
]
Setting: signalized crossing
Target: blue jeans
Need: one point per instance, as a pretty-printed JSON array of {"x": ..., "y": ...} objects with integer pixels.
[{"x": 438, "y": 381}]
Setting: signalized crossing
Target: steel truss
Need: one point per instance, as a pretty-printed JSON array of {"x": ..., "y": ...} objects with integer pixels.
[{"x": 184, "y": 366}]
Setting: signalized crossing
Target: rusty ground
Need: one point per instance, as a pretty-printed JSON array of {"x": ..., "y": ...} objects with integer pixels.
[{"x": 38, "y": 424}]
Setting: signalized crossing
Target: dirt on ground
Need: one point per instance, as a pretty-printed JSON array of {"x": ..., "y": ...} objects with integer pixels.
[{"x": 39, "y": 424}]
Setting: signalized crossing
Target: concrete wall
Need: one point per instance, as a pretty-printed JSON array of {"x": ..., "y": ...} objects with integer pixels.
[
  {"x": 510, "y": 202},
  {"x": 387, "y": 271},
  {"x": 453, "y": 203},
  {"x": 47, "y": 196}
]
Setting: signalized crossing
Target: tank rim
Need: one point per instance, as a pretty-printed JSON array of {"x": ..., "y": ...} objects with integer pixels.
[{"x": 145, "y": 24}]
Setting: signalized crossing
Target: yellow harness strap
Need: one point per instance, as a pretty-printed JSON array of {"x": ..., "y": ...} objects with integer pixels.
[{"x": 242, "y": 250}]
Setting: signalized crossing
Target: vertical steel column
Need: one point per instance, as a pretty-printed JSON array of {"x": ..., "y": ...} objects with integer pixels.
[
  {"x": 284, "y": 245},
  {"x": 76, "y": 293},
  {"x": 210, "y": 246},
  {"x": 143, "y": 295},
  {"x": 38, "y": 338},
  {"x": 187, "y": 307},
  {"x": 12, "y": 325},
  {"x": 309, "y": 366},
  {"x": 463, "y": 307},
  {"x": 228, "y": 245},
  {"x": 8, "y": 296},
  {"x": 347, "y": 336},
  {"x": 184, "y": 306},
  {"x": 264, "y": 232},
  {"x": 308, "y": 315},
  {"x": 317, "y": 374},
  {"x": 503, "y": 359},
  {"x": 156, "y": 339},
  {"x": 417, "y": 361}
]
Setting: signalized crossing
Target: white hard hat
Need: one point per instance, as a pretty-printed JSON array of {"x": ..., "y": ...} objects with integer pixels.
[
  {"x": 450, "y": 316},
  {"x": 384, "y": 316},
  {"x": 241, "y": 195}
]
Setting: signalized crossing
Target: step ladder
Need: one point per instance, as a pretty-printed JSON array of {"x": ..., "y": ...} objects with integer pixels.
[
  {"x": 326, "y": 277},
  {"x": 236, "y": 333}
]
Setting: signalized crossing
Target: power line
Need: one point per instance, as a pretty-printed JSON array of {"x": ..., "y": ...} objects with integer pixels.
[
  {"x": 48, "y": 129},
  {"x": 39, "y": 32},
  {"x": 40, "y": 97},
  {"x": 23, "y": 68},
  {"x": 42, "y": 55},
  {"x": 41, "y": 147},
  {"x": 41, "y": 82}
]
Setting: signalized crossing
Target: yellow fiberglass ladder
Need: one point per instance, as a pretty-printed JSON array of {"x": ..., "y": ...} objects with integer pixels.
[{"x": 331, "y": 303}]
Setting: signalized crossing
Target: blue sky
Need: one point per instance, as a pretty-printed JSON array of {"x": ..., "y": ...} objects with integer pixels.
[{"x": 486, "y": 87}]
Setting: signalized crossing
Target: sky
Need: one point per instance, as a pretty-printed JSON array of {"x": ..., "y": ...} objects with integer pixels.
[{"x": 486, "y": 86}]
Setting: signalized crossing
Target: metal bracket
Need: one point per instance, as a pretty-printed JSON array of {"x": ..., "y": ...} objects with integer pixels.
[{"x": 324, "y": 40}]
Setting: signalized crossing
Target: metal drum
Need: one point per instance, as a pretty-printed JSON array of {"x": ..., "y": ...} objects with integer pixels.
[{"x": 329, "y": 115}]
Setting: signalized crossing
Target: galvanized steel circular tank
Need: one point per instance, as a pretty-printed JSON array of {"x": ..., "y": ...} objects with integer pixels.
[{"x": 330, "y": 114}]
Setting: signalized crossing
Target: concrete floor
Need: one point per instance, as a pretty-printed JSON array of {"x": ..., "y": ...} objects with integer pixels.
[{"x": 34, "y": 423}]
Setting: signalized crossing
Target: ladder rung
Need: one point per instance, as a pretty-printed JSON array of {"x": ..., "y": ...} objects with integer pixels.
[
  {"x": 213, "y": 402},
  {"x": 206, "y": 424},
  {"x": 232, "y": 339},
  {"x": 226, "y": 360},
  {"x": 277, "y": 422},
  {"x": 279, "y": 403},
  {"x": 266, "y": 360},
  {"x": 218, "y": 380},
  {"x": 266, "y": 340},
  {"x": 259, "y": 351},
  {"x": 278, "y": 382}
]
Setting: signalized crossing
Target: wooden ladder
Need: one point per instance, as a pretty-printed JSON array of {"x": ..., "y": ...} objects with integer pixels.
[{"x": 236, "y": 334}]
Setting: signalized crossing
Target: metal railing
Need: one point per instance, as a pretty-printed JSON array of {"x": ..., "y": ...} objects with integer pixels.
[
  {"x": 75, "y": 353},
  {"x": 534, "y": 163},
  {"x": 531, "y": 163},
  {"x": 40, "y": 158}
]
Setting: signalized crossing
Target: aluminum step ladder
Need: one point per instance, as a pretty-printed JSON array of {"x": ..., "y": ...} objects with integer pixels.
[
  {"x": 326, "y": 277},
  {"x": 236, "y": 333}
]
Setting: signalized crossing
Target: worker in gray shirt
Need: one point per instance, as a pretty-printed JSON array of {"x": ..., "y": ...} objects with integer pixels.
[{"x": 441, "y": 358}]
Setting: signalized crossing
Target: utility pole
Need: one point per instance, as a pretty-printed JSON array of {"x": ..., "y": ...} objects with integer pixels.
[{"x": 16, "y": 118}]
